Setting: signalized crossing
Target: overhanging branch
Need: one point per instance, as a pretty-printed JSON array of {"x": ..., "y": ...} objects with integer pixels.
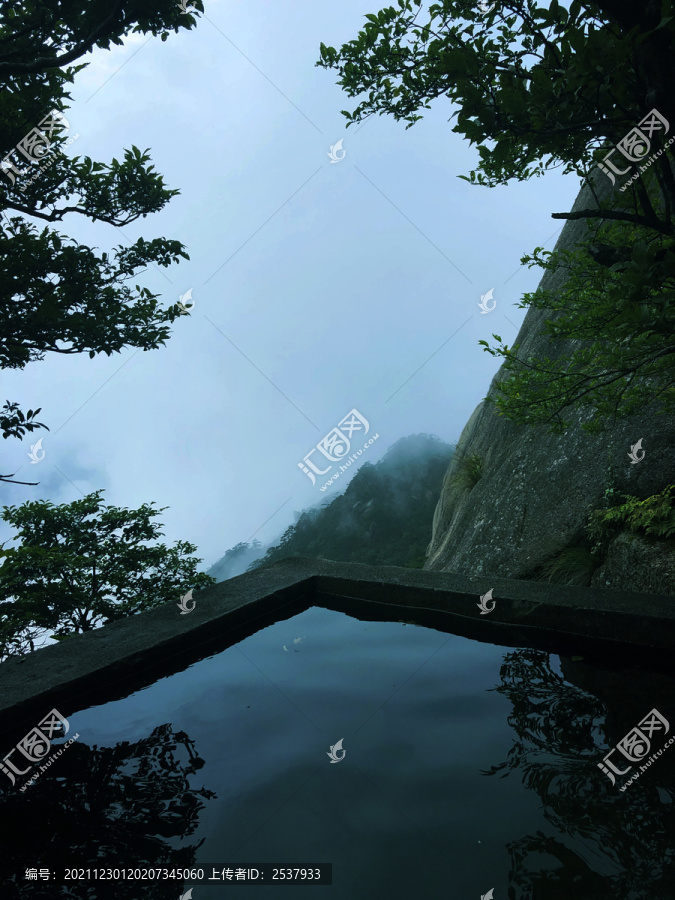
[
  {"x": 8, "y": 480},
  {"x": 619, "y": 216}
]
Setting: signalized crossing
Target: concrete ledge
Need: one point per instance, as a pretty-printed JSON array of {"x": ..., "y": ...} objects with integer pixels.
[{"x": 122, "y": 657}]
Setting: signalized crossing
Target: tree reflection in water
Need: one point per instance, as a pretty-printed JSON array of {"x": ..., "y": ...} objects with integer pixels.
[
  {"x": 113, "y": 806},
  {"x": 607, "y": 844}
]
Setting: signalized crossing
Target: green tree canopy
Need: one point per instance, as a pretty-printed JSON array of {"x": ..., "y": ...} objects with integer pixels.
[
  {"x": 57, "y": 295},
  {"x": 542, "y": 86},
  {"x": 84, "y": 564}
]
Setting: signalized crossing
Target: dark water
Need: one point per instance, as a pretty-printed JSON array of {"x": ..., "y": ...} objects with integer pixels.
[{"x": 467, "y": 767}]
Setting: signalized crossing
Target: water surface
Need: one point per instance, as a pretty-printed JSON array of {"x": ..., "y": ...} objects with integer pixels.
[{"x": 467, "y": 766}]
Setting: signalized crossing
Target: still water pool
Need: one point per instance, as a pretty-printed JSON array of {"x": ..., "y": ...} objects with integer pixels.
[{"x": 466, "y": 768}]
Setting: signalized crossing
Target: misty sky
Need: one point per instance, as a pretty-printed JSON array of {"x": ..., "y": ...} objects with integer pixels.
[{"x": 319, "y": 287}]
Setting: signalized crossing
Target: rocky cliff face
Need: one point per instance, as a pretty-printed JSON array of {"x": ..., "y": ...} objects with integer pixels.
[{"x": 537, "y": 489}]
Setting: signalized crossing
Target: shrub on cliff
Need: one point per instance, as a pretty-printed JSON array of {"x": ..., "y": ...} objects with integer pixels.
[{"x": 654, "y": 516}]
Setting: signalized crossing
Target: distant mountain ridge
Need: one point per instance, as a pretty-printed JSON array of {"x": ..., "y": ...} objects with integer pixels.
[
  {"x": 383, "y": 517},
  {"x": 236, "y": 560}
]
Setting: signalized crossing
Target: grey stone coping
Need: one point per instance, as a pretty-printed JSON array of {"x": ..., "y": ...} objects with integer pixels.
[{"x": 125, "y": 655}]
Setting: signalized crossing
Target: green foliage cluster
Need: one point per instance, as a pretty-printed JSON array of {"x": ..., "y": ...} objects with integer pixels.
[
  {"x": 469, "y": 472},
  {"x": 83, "y": 564},
  {"x": 531, "y": 84},
  {"x": 653, "y": 516}
]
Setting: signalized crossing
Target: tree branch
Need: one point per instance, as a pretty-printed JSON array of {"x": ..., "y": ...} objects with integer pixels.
[
  {"x": 55, "y": 62},
  {"x": 618, "y": 215},
  {"x": 8, "y": 480},
  {"x": 573, "y": 393},
  {"x": 56, "y": 215}
]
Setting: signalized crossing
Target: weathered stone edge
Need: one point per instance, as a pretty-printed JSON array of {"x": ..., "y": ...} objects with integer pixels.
[{"x": 637, "y": 620}]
